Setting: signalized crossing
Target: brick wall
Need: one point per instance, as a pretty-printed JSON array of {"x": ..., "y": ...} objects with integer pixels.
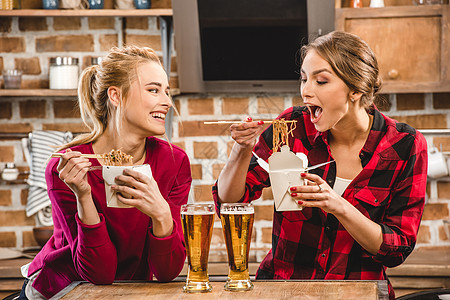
[{"x": 28, "y": 43}]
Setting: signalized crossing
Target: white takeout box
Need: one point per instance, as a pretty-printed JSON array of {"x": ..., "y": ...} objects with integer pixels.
[
  {"x": 285, "y": 168},
  {"x": 110, "y": 173}
]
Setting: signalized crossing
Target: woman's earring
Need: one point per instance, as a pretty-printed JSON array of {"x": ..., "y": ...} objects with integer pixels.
[{"x": 353, "y": 99}]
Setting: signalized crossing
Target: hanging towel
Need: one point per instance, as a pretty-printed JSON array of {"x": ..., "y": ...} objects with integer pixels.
[{"x": 41, "y": 145}]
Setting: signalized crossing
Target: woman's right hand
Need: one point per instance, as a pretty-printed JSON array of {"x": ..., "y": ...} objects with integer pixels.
[
  {"x": 73, "y": 170},
  {"x": 246, "y": 133}
]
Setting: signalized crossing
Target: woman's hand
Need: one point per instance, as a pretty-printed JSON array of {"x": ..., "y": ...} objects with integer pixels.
[
  {"x": 317, "y": 193},
  {"x": 245, "y": 134},
  {"x": 72, "y": 170},
  {"x": 140, "y": 191}
]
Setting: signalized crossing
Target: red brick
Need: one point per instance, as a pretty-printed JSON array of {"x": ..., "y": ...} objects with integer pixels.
[
  {"x": 161, "y": 4},
  {"x": 33, "y": 109},
  {"x": 12, "y": 44},
  {"x": 136, "y": 23},
  {"x": 207, "y": 150},
  {"x": 8, "y": 239},
  {"x": 267, "y": 193},
  {"x": 439, "y": 141},
  {"x": 238, "y": 106},
  {"x": 424, "y": 235},
  {"x": 101, "y": 23},
  {"x": 33, "y": 24},
  {"x": 264, "y": 212},
  {"x": 65, "y": 43},
  {"x": 216, "y": 169},
  {"x": 152, "y": 41},
  {"x": 182, "y": 145},
  {"x": 6, "y": 153},
  {"x": 201, "y": 106},
  {"x": 1, "y": 63},
  {"x": 5, "y": 24},
  {"x": 196, "y": 171},
  {"x": 73, "y": 127},
  {"x": 28, "y": 239},
  {"x": 443, "y": 232},
  {"x": 441, "y": 100},
  {"x": 16, "y": 128},
  {"x": 435, "y": 211},
  {"x": 35, "y": 83},
  {"x": 24, "y": 196},
  {"x": 5, "y": 110},
  {"x": 270, "y": 105},
  {"x": 173, "y": 82},
  {"x": 266, "y": 235},
  {"x": 66, "y": 109},
  {"x": 107, "y": 41},
  {"x": 15, "y": 218},
  {"x": 67, "y": 23},
  {"x": 443, "y": 189},
  {"x": 410, "y": 101},
  {"x": 5, "y": 198},
  {"x": 197, "y": 128},
  {"x": 202, "y": 193},
  {"x": 29, "y": 66},
  {"x": 421, "y": 121}
]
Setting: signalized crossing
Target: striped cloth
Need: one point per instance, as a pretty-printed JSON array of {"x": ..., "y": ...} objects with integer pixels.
[{"x": 42, "y": 143}]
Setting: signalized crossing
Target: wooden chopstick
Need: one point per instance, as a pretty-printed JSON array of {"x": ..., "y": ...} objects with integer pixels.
[
  {"x": 83, "y": 155},
  {"x": 238, "y": 122}
]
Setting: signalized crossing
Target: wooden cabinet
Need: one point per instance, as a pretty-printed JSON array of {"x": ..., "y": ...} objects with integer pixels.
[{"x": 411, "y": 44}]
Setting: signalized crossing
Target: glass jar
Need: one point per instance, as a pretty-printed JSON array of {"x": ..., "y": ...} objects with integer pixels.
[{"x": 63, "y": 72}]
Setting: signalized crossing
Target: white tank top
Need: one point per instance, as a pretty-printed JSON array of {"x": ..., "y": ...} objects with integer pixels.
[{"x": 341, "y": 184}]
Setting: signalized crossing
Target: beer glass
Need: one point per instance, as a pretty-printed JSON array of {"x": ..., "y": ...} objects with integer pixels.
[
  {"x": 197, "y": 221},
  {"x": 237, "y": 225}
]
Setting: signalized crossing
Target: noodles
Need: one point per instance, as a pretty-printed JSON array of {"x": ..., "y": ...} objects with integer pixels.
[
  {"x": 117, "y": 158},
  {"x": 281, "y": 132}
]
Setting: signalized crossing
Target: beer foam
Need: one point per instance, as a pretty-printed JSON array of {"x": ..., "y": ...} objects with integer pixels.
[
  {"x": 189, "y": 212},
  {"x": 237, "y": 212}
]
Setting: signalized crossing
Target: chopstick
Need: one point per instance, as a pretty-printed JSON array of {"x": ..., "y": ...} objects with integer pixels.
[
  {"x": 83, "y": 155},
  {"x": 238, "y": 122}
]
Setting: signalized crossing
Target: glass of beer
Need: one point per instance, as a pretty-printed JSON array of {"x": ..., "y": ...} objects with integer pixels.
[
  {"x": 197, "y": 221},
  {"x": 237, "y": 225}
]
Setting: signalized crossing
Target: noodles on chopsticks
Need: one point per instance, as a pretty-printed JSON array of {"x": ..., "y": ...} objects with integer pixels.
[
  {"x": 281, "y": 131},
  {"x": 116, "y": 158}
]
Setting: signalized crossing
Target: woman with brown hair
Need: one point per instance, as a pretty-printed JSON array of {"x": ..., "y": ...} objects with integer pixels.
[
  {"x": 124, "y": 101},
  {"x": 361, "y": 213}
]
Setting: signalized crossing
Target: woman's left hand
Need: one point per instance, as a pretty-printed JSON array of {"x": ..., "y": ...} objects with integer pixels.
[
  {"x": 140, "y": 191},
  {"x": 317, "y": 193}
]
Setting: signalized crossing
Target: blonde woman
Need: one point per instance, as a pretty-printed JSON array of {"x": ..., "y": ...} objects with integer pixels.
[
  {"x": 125, "y": 101},
  {"x": 362, "y": 212}
]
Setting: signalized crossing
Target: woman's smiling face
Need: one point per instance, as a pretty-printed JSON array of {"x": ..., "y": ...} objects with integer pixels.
[{"x": 323, "y": 92}]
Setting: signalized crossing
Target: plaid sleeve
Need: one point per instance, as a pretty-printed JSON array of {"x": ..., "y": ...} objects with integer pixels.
[{"x": 401, "y": 222}]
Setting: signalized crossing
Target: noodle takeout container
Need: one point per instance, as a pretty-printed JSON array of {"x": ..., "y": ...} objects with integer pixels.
[
  {"x": 110, "y": 173},
  {"x": 285, "y": 168}
]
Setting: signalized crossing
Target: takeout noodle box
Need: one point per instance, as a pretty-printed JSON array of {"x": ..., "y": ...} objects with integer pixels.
[
  {"x": 285, "y": 168},
  {"x": 109, "y": 175}
]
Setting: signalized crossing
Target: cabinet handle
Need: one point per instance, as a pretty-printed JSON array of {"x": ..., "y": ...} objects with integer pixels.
[{"x": 393, "y": 74}]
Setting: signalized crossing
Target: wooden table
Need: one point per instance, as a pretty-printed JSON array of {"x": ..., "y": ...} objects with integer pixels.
[{"x": 309, "y": 289}]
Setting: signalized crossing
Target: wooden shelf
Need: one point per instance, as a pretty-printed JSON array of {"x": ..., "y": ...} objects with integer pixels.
[
  {"x": 37, "y": 92},
  {"x": 86, "y": 12}
]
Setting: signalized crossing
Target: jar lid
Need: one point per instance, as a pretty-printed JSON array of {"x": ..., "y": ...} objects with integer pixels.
[
  {"x": 63, "y": 60},
  {"x": 96, "y": 60}
]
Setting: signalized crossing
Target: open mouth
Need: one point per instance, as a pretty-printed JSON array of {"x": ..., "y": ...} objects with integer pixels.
[
  {"x": 159, "y": 116},
  {"x": 315, "y": 111}
]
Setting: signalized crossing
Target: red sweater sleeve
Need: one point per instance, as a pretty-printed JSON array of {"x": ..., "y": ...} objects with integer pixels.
[{"x": 94, "y": 255}]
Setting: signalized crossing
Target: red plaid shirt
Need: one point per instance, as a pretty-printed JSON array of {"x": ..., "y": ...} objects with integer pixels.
[{"x": 390, "y": 190}]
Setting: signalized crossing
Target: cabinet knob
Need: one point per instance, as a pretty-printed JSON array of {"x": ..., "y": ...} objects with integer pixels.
[{"x": 393, "y": 74}]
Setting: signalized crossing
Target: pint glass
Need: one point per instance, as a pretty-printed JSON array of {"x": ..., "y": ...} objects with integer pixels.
[
  {"x": 198, "y": 221},
  {"x": 237, "y": 225}
]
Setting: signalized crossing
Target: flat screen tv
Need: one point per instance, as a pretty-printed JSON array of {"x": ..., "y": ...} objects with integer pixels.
[{"x": 245, "y": 45}]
